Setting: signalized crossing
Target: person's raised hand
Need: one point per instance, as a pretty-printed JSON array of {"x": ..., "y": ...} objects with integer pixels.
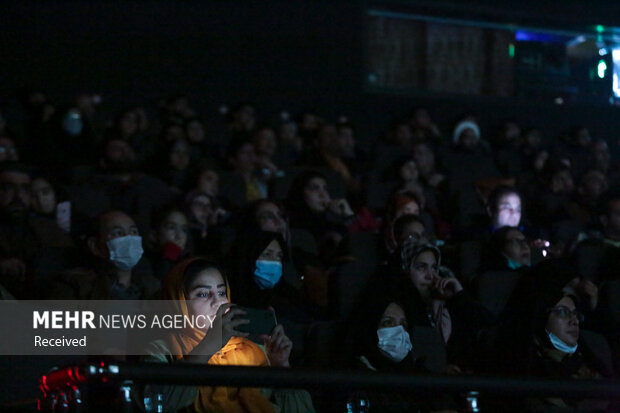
[
  {"x": 446, "y": 288},
  {"x": 340, "y": 207},
  {"x": 227, "y": 319},
  {"x": 278, "y": 347}
]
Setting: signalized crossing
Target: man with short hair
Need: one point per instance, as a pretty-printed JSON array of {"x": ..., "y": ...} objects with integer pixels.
[
  {"x": 121, "y": 185},
  {"x": 113, "y": 270},
  {"x": 21, "y": 234}
]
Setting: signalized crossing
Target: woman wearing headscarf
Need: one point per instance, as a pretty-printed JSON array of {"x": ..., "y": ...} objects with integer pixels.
[
  {"x": 543, "y": 340},
  {"x": 256, "y": 271},
  {"x": 437, "y": 299},
  {"x": 378, "y": 339},
  {"x": 197, "y": 287}
]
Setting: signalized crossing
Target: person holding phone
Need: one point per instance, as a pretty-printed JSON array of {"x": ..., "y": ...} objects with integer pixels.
[{"x": 198, "y": 287}]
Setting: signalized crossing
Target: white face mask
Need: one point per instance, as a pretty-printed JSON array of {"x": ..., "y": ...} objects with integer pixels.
[
  {"x": 560, "y": 345},
  {"x": 125, "y": 252},
  {"x": 395, "y": 342}
]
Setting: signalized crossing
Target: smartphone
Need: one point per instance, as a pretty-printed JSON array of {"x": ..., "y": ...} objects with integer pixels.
[
  {"x": 63, "y": 215},
  {"x": 261, "y": 322}
]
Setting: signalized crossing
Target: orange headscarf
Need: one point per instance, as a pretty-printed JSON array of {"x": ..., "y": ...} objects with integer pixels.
[{"x": 237, "y": 352}]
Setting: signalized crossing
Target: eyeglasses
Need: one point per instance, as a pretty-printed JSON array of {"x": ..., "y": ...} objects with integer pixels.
[{"x": 566, "y": 313}]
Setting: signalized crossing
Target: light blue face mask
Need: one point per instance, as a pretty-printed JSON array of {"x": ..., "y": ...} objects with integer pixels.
[
  {"x": 560, "y": 345},
  {"x": 125, "y": 252},
  {"x": 514, "y": 265},
  {"x": 267, "y": 274}
]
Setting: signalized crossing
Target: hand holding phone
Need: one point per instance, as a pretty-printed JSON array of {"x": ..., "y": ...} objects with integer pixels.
[{"x": 261, "y": 323}]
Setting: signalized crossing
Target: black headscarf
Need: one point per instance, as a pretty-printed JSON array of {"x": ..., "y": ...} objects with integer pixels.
[
  {"x": 362, "y": 339},
  {"x": 242, "y": 264}
]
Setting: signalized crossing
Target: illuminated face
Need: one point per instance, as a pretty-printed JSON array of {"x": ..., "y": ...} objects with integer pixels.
[
  {"x": 174, "y": 229},
  {"x": 562, "y": 321},
  {"x": 517, "y": 248},
  {"x": 206, "y": 294},
  {"x": 316, "y": 196},
  {"x": 393, "y": 316},
  {"x": 44, "y": 199},
  {"x": 508, "y": 211},
  {"x": 423, "y": 272}
]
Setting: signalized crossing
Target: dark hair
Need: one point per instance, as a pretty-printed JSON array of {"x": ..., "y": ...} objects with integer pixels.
[
  {"x": 195, "y": 268},
  {"x": 494, "y": 247},
  {"x": 242, "y": 262},
  {"x": 361, "y": 336},
  {"x": 498, "y": 193},
  {"x": 249, "y": 220},
  {"x": 295, "y": 199},
  {"x": 160, "y": 215},
  {"x": 93, "y": 228},
  {"x": 403, "y": 221}
]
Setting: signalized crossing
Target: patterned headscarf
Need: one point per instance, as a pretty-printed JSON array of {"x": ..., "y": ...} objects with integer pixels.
[{"x": 414, "y": 246}]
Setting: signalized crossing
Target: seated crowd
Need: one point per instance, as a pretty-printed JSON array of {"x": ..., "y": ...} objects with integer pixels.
[{"x": 429, "y": 254}]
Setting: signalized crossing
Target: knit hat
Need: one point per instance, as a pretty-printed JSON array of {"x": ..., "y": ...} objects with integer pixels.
[{"x": 461, "y": 127}]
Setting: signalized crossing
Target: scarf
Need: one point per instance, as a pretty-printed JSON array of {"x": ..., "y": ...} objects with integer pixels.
[{"x": 237, "y": 352}]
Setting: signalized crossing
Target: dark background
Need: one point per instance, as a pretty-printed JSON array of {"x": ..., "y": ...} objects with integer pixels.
[{"x": 282, "y": 55}]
